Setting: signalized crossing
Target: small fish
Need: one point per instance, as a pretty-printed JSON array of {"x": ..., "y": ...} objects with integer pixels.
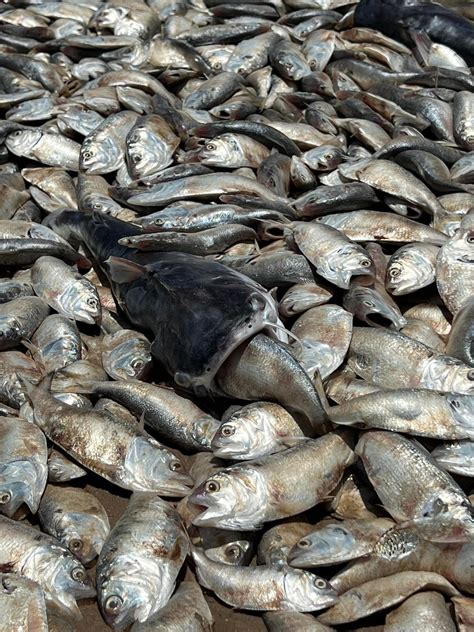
[
  {"x": 41, "y": 558},
  {"x": 149, "y": 538},
  {"x": 279, "y": 589},
  {"x": 65, "y": 290},
  {"x": 253, "y": 431},
  {"x": 22, "y": 603},
  {"x": 245, "y": 496},
  {"x": 76, "y": 518},
  {"x": 19, "y": 319},
  {"x": 418, "y": 492},
  {"x": 23, "y": 468},
  {"x": 427, "y": 609},
  {"x": 186, "y": 610},
  {"x": 336, "y": 541},
  {"x": 411, "y": 268},
  {"x": 126, "y": 354}
]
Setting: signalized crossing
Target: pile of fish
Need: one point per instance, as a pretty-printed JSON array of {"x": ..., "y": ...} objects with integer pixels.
[{"x": 237, "y": 289}]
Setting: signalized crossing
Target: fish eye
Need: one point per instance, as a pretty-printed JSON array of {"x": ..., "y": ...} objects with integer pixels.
[
  {"x": 211, "y": 146},
  {"x": 75, "y": 544},
  {"x": 137, "y": 363},
  {"x": 368, "y": 303},
  {"x": 136, "y": 158},
  {"x": 175, "y": 466},
  {"x": 97, "y": 206},
  {"x": 312, "y": 64},
  {"x": 365, "y": 263},
  {"x": 320, "y": 583},
  {"x": 470, "y": 238},
  {"x": 227, "y": 430},
  {"x": 395, "y": 272},
  {"x": 158, "y": 222},
  {"x": 470, "y": 375},
  {"x": 304, "y": 543},
  {"x": 87, "y": 155},
  {"x": 113, "y": 603},
  {"x": 78, "y": 574},
  {"x": 133, "y": 138},
  {"x": 5, "y": 498},
  {"x": 92, "y": 302},
  {"x": 17, "y": 133},
  {"x": 212, "y": 486},
  {"x": 233, "y": 551}
]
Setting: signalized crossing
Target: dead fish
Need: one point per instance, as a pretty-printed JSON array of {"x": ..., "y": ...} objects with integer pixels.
[
  {"x": 335, "y": 257},
  {"x": 150, "y": 146},
  {"x": 418, "y": 412},
  {"x": 411, "y": 268},
  {"x": 253, "y": 431},
  {"x": 456, "y": 457},
  {"x": 65, "y": 290},
  {"x": 176, "y": 419},
  {"x": 61, "y": 469},
  {"x": 323, "y": 337},
  {"x": 76, "y": 518},
  {"x": 427, "y": 609},
  {"x": 22, "y": 603},
  {"x": 392, "y": 360},
  {"x": 103, "y": 150},
  {"x": 331, "y": 542},
  {"x": 23, "y": 469},
  {"x": 454, "y": 269},
  {"x": 241, "y": 376},
  {"x": 302, "y": 297},
  {"x": 382, "y": 593},
  {"x": 41, "y": 558},
  {"x": 429, "y": 498},
  {"x": 382, "y": 227},
  {"x": 279, "y": 589},
  {"x": 48, "y": 148},
  {"x": 150, "y": 538},
  {"x": 243, "y": 496},
  {"x": 120, "y": 452},
  {"x": 19, "y": 319},
  {"x": 186, "y": 610},
  {"x": 56, "y": 343},
  {"x": 205, "y": 242},
  {"x": 126, "y": 354},
  {"x": 276, "y": 543}
]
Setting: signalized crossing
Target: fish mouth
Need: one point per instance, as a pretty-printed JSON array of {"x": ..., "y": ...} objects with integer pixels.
[
  {"x": 376, "y": 319},
  {"x": 176, "y": 488}
]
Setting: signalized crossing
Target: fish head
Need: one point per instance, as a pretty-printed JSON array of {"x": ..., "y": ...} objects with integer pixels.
[
  {"x": 22, "y": 142},
  {"x": 21, "y": 481},
  {"x": 131, "y": 358},
  {"x": 371, "y": 307},
  {"x": 84, "y": 535},
  {"x": 407, "y": 272},
  {"x": 462, "y": 409},
  {"x": 347, "y": 261},
  {"x": 305, "y": 591},
  {"x": 234, "y": 552},
  {"x": 221, "y": 151},
  {"x": 447, "y": 516},
  {"x": 232, "y": 498},
  {"x": 244, "y": 435},
  {"x": 81, "y": 299},
  {"x": 151, "y": 467},
  {"x": 132, "y": 589},
  {"x": 146, "y": 152},
  {"x": 330, "y": 544},
  {"x": 63, "y": 577},
  {"x": 204, "y": 429},
  {"x": 99, "y": 157}
]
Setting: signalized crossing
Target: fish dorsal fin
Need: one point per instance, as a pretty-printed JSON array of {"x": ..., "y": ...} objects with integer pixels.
[{"x": 124, "y": 271}]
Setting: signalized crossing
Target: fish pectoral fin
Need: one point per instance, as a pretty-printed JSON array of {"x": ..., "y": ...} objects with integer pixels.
[{"x": 124, "y": 271}]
